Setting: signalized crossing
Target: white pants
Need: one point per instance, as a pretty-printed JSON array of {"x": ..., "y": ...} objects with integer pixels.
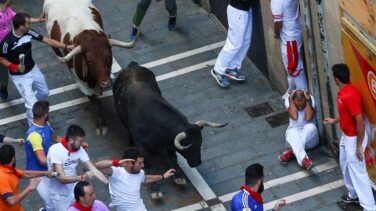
[
  {"x": 27, "y": 84},
  {"x": 294, "y": 60},
  {"x": 44, "y": 192},
  {"x": 300, "y": 139},
  {"x": 354, "y": 172},
  {"x": 61, "y": 201},
  {"x": 237, "y": 42}
]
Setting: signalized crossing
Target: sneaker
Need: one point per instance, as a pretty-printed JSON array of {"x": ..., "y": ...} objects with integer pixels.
[
  {"x": 171, "y": 23},
  {"x": 347, "y": 199},
  {"x": 234, "y": 74},
  {"x": 221, "y": 80},
  {"x": 307, "y": 163},
  {"x": 286, "y": 156},
  {"x": 4, "y": 93},
  {"x": 135, "y": 32}
]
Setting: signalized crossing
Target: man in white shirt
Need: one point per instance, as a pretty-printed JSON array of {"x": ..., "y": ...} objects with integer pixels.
[
  {"x": 288, "y": 28},
  {"x": 63, "y": 158},
  {"x": 302, "y": 132},
  {"x": 125, "y": 177}
]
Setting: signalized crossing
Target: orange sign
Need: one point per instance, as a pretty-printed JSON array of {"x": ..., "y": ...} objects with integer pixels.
[{"x": 362, "y": 64}]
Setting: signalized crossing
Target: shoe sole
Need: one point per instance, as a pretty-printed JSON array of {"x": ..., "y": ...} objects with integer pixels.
[
  {"x": 233, "y": 78},
  {"x": 282, "y": 162},
  {"x": 215, "y": 77},
  {"x": 349, "y": 202}
]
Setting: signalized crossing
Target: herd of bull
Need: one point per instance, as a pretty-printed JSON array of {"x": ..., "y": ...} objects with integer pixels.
[{"x": 153, "y": 124}]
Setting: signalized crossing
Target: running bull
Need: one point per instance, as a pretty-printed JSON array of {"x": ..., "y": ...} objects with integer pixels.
[
  {"x": 154, "y": 125},
  {"x": 80, "y": 23}
]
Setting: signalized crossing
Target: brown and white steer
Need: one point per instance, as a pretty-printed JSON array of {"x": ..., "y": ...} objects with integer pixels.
[{"x": 79, "y": 22}]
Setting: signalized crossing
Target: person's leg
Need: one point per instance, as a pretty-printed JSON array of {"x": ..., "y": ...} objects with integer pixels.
[
  {"x": 236, "y": 63},
  {"x": 4, "y": 78},
  {"x": 358, "y": 174},
  {"x": 172, "y": 11},
  {"x": 39, "y": 83},
  {"x": 294, "y": 139},
  {"x": 310, "y": 136},
  {"x": 343, "y": 161},
  {"x": 24, "y": 83},
  {"x": 285, "y": 64},
  {"x": 61, "y": 202},
  {"x": 44, "y": 193},
  {"x": 299, "y": 76},
  {"x": 139, "y": 15}
]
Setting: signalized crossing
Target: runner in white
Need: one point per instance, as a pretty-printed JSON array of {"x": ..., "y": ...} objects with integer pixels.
[
  {"x": 302, "y": 132},
  {"x": 125, "y": 178},
  {"x": 288, "y": 28},
  {"x": 64, "y": 158}
]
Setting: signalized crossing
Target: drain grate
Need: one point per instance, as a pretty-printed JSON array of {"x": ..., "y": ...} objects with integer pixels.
[
  {"x": 278, "y": 119},
  {"x": 259, "y": 110}
]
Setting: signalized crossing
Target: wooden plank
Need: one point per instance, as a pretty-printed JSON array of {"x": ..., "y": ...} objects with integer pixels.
[{"x": 363, "y": 12}]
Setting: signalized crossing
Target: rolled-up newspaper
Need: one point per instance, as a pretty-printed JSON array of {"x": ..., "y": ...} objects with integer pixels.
[{"x": 21, "y": 57}]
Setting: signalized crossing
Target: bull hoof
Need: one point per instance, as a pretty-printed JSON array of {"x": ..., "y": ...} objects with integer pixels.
[
  {"x": 101, "y": 131},
  {"x": 180, "y": 181},
  {"x": 156, "y": 195}
]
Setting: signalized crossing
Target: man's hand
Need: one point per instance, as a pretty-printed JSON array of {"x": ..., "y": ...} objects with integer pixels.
[
  {"x": 70, "y": 47},
  {"x": 85, "y": 146},
  {"x": 279, "y": 204},
  {"x": 307, "y": 95},
  {"x": 169, "y": 173},
  {"x": 330, "y": 121},
  {"x": 88, "y": 175},
  {"x": 359, "y": 152},
  {"x": 34, "y": 183},
  {"x": 19, "y": 141}
]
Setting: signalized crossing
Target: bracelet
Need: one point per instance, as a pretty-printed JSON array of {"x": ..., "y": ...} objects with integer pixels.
[
  {"x": 116, "y": 163},
  {"x": 82, "y": 177},
  {"x": 12, "y": 67}
]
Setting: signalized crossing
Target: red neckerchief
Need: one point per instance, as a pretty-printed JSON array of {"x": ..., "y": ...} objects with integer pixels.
[
  {"x": 65, "y": 144},
  {"x": 256, "y": 196},
  {"x": 80, "y": 207},
  {"x": 14, "y": 171}
]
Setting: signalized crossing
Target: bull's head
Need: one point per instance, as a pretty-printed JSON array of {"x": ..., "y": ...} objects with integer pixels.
[
  {"x": 188, "y": 142},
  {"x": 96, "y": 58}
]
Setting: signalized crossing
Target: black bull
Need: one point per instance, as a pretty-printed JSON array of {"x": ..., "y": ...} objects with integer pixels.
[{"x": 154, "y": 125}]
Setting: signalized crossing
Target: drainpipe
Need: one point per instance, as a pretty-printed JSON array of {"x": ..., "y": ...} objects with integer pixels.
[
  {"x": 324, "y": 50},
  {"x": 313, "y": 64}
]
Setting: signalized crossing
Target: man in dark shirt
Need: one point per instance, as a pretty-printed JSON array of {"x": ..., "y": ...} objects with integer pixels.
[{"x": 16, "y": 55}]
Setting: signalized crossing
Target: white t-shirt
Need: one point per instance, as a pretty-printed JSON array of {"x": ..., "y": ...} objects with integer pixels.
[
  {"x": 125, "y": 189},
  {"x": 287, "y": 11},
  {"x": 300, "y": 122},
  {"x": 60, "y": 155}
]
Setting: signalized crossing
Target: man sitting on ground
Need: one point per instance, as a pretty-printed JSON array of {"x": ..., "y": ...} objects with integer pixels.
[{"x": 302, "y": 132}]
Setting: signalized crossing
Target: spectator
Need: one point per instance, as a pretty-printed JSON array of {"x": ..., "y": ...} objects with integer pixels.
[
  {"x": 9, "y": 140},
  {"x": 16, "y": 55},
  {"x": 85, "y": 198},
  {"x": 288, "y": 28},
  {"x": 353, "y": 141},
  {"x": 39, "y": 138},
  {"x": 63, "y": 158},
  {"x": 302, "y": 132},
  {"x": 9, "y": 182},
  {"x": 6, "y": 17},
  {"x": 141, "y": 10},
  {"x": 125, "y": 177},
  {"x": 249, "y": 196},
  {"x": 229, "y": 61}
]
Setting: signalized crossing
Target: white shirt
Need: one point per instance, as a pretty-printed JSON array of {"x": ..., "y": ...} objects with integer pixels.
[
  {"x": 287, "y": 11},
  {"x": 60, "y": 155},
  {"x": 300, "y": 122},
  {"x": 125, "y": 189}
]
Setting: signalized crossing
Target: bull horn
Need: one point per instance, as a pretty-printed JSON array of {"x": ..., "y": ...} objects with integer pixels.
[
  {"x": 77, "y": 50},
  {"x": 202, "y": 123},
  {"x": 122, "y": 44},
  {"x": 177, "y": 140}
]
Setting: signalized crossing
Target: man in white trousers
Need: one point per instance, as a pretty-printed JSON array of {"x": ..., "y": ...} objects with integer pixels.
[
  {"x": 16, "y": 55},
  {"x": 353, "y": 140},
  {"x": 302, "y": 132},
  {"x": 288, "y": 28},
  {"x": 229, "y": 61}
]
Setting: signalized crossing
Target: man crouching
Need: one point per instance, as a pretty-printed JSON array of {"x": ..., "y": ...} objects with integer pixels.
[{"x": 302, "y": 132}]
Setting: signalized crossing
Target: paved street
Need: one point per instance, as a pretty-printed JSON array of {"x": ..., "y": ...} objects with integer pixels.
[{"x": 226, "y": 152}]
